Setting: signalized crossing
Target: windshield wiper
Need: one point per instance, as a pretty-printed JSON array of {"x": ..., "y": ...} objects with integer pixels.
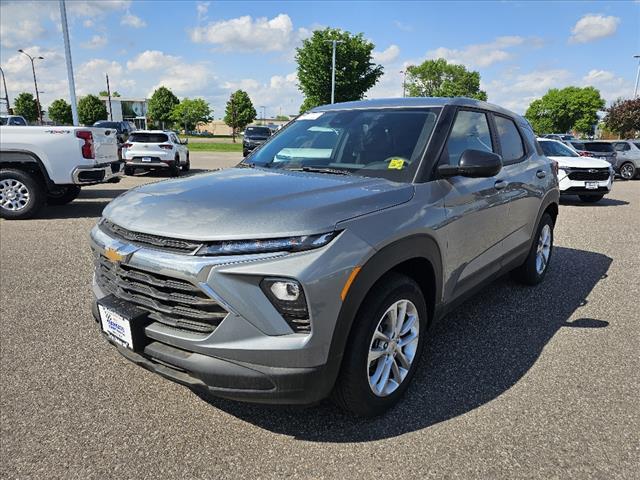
[{"x": 335, "y": 171}]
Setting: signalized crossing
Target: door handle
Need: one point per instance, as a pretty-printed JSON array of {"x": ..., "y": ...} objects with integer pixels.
[
  {"x": 500, "y": 184},
  {"x": 541, "y": 174}
]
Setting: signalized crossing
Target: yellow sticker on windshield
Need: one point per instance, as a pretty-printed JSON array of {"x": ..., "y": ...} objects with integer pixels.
[{"x": 396, "y": 164}]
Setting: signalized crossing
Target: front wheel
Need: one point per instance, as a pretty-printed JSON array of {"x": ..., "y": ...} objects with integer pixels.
[
  {"x": 627, "y": 171},
  {"x": 63, "y": 195},
  {"x": 174, "y": 169},
  {"x": 187, "y": 165},
  {"x": 384, "y": 347},
  {"x": 535, "y": 267},
  {"x": 591, "y": 198},
  {"x": 21, "y": 194}
]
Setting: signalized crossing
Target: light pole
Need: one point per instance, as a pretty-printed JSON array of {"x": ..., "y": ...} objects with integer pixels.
[
  {"x": 635, "y": 90},
  {"x": 264, "y": 112},
  {"x": 67, "y": 54},
  {"x": 6, "y": 92},
  {"x": 404, "y": 82},
  {"x": 333, "y": 68},
  {"x": 35, "y": 82}
]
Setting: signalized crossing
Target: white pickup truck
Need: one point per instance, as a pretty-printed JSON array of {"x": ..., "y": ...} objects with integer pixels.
[{"x": 48, "y": 165}]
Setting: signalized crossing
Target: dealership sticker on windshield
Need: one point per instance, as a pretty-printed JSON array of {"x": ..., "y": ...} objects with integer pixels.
[
  {"x": 310, "y": 116},
  {"x": 396, "y": 164}
]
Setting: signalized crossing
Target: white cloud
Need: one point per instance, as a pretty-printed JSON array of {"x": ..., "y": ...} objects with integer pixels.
[
  {"x": 88, "y": 23},
  {"x": 133, "y": 21},
  {"x": 280, "y": 95},
  {"x": 610, "y": 85},
  {"x": 403, "y": 26},
  {"x": 479, "y": 55},
  {"x": 386, "y": 56},
  {"x": 21, "y": 24},
  {"x": 152, "y": 59},
  {"x": 202, "y": 8},
  {"x": 593, "y": 27},
  {"x": 186, "y": 79},
  {"x": 92, "y": 9},
  {"x": 97, "y": 41},
  {"x": 249, "y": 34}
]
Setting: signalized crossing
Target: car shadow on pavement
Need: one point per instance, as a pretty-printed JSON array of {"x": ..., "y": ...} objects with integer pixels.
[
  {"x": 605, "y": 202},
  {"x": 473, "y": 356}
]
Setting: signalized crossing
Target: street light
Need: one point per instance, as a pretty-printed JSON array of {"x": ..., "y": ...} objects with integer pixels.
[
  {"x": 264, "y": 112},
  {"x": 35, "y": 82},
  {"x": 333, "y": 68},
  {"x": 6, "y": 92},
  {"x": 635, "y": 90}
]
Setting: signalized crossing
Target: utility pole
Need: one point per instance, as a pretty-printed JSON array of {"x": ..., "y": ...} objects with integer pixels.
[
  {"x": 404, "y": 82},
  {"x": 264, "y": 112},
  {"x": 6, "y": 92},
  {"x": 635, "y": 90},
  {"x": 67, "y": 54},
  {"x": 333, "y": 68},
  {"x": 35, "y": 82},
  {"x": 109, "y": 95}
]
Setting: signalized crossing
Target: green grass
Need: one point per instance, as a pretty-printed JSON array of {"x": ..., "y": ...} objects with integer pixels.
[{"x": 215, "y": 147}]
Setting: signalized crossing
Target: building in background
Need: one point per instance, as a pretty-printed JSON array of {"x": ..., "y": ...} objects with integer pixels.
[{"x": 131, "y": 109}]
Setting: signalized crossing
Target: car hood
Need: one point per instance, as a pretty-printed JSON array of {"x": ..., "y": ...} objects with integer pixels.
[
  {"x": 248, "y": 203},
  {"x": 580, "y": 162}
]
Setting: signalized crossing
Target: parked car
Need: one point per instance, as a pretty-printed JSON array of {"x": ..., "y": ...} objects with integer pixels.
[
  {"x": 321, "y": 261},
  {"x": 628, "y": 158},
  {"x": 13, "y": 120},
  {"x": 559, "y": 136},
  {"x": 156, "y": 150},
  {"x": 49, "y": 165},
  {"x": 123, "y": 129},
  {"x": 253, "y": 137},
  {"x": 598, "y": 149},
  {"x": 589, "y": 178}
]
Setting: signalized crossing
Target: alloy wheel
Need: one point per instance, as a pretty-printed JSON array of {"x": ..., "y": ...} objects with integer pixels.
[
  {"x": 544, "y": 249},
  {"x": 14, "y": 195},
  {"x": 627, "y": 171},
  {"x": 393, "y": 347}
]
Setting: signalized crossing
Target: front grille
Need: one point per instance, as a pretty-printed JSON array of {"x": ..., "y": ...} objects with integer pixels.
[
  {"x": 589, "y": 174},
  {"x": 144, "y": 239},
  {"x": 173, "y": 302}
]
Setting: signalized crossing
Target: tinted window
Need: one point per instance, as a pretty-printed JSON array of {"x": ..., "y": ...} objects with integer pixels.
[
  {"x": 257, "y": 132},
  {"x": 578, "y": 145},
  {"x": 115, "y": 125},
  {"x": 637, "y": 144},
  {"x": 510, "y": 139},
  {"x": 470, "y": 132},
  {"x": 375, "y": 142},
  {"x": 621, "y": 146},
  {"x": 556, "y": 149},
  {"x": 3, "y": 120},
  {"x": 599, "y": 147},
  {"x": 148, "y": 137}
]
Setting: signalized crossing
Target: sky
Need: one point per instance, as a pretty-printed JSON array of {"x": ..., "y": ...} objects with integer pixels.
[{"x": 209, "y": 49}]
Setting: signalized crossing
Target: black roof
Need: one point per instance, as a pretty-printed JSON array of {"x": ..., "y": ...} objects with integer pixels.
[{"x": 409, "y": 102}]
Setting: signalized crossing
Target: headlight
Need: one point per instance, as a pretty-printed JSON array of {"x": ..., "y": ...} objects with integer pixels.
[{"x": 291, "y": 244}]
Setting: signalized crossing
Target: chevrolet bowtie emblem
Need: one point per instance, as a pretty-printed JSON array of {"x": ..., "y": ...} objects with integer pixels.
[{"x": 113, "y": 255}]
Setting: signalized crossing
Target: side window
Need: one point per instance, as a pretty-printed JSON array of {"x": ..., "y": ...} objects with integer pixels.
[
  {"x": 174, "y": 139},
  {"x": 621, "y": 146},
  {"x": 510, "y": 139},
  {"x": 470, "y": 132}
]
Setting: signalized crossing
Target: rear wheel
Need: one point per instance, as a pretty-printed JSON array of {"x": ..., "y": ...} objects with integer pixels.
[
  {"x": 187, "y": 166},
  {"x": 22, "y": 194},
  {"x": 129, "y": 170},
  {"x": 174, "y": 169},
  {"x": 627, "y": 171},
  {"x": 63, "y": 195},
  {"x": 535, "y": 267},
  {"x": 591, "y": 198},
  {"x": 384, "y": 347}
]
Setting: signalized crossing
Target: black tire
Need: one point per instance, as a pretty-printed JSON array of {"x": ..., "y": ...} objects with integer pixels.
[
  {"x": 187, "y": 166},
  {"x": 174, "y": 169},
  {"x": 33, "y": 187},
  {"x": 628, "y": 171},
  {"x": 352, "y": 391},
  {"x": 245, "y": 153},
  {"x": 527, "y": 273},
  {"x": 63, "y": 195},
  {"x": 129, "y": 170},
  {"x": 591, "y": 198}
]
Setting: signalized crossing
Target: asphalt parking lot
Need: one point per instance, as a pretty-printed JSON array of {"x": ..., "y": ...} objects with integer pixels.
[{"x": 517, "y": 383}]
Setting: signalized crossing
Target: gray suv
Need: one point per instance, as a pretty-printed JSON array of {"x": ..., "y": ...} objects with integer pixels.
[{"x": 318, "y": 264}]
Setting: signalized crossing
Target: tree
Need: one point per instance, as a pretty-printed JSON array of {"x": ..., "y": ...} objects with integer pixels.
[
  {"x": 239, "y": 112},
  {"x": 438, "y": 78},
  {"x": 190, "y": 112},
  {"x": 26, "y": 106},
  {"x": 104, "y": 93},
  {"x": 91, "y": 109},
  {"x": 282, "y": 118},
  {"x": 355, "y": 71},
  {"x": 161, "y": 105},
  {"x": 60, "y": 112},
  {"x": 623, "y": 117},
  {"x": 562, "y": 110}
]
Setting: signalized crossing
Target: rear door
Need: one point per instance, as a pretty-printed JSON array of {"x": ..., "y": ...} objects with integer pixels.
[{"x": 475, "y": 208}]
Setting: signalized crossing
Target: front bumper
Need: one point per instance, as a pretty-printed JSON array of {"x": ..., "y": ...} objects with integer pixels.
[
  {"x": 253, "y": 354},
  {"x": 110, "y": 172},
  {"x": 579, "y": 187}
]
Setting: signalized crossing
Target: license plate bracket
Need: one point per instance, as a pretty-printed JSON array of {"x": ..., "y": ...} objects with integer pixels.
[
  {"x": 123, "y": 322},
  {"x": 146, "y": 159},
  {"x": 591, "y": 185}
]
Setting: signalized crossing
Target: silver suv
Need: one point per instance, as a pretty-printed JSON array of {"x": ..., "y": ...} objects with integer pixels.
[{"x": 318, "y": 265}]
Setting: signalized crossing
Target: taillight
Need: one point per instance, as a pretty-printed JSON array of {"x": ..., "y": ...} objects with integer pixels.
[
  {"x": 583, "y": 153},
  {"x": 166, "y": 147},
  {"x": 127, "y": 145},
  {"x": 87, "y": 147}
]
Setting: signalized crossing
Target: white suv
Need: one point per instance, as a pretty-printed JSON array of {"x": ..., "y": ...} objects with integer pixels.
[
  {"x": 155, "y": 149},
  {"x": 589, "y": 178}
]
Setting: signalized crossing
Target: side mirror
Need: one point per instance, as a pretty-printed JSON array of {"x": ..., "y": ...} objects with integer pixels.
[{"x": 473, "y": 164}]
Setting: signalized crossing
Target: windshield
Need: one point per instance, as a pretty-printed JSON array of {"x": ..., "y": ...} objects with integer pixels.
[
  {"x": 557, "y": 149},
  {"x": 148, "y": 137},
  {"x": 379, "y": 143},
  {"x": 102, "y": 124},
  {"x": 257, "y": 132},
  {"x": 599, "y": 147}
]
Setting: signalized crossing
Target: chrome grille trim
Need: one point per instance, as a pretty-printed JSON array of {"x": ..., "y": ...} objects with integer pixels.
[{"x": 148, "y": 240}]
